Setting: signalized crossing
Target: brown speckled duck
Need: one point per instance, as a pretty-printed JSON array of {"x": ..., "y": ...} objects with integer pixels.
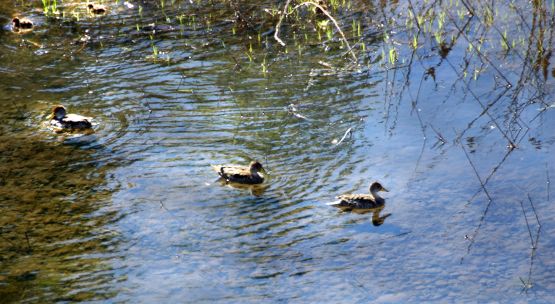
[
  {"x": 60, "y": 120},
  {"x": 97, "y": 9},
  {"x": 241, "y": 174},
  {"x": 21, "y": 24},
  {"x": 362, "y": 201}
]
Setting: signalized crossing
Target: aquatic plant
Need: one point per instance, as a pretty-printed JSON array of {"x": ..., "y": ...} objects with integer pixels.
[{"x": 50, "y": 7}]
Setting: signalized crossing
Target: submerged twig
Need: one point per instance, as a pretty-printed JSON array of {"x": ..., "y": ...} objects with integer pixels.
[
  {"x": 348, "y": 132},
  {"x": 293, "y": 110}
]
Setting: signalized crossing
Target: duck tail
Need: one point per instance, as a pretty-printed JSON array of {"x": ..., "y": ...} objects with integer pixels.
[
  {"x": 334, "y": 203},
  {"x": 219, "y": 169}
]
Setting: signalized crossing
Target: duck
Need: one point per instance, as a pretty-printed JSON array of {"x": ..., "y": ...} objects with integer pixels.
[
  {"x": 21, "y": 23},
  {"x": 60, "y": 120},
  {"x": 96, "y": 8},
  {"x": 241, "y": 174},
  {"x": 362, "y": 201}
]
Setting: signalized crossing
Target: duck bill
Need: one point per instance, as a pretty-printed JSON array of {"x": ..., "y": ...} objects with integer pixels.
[{"x": 384, "y": 190}]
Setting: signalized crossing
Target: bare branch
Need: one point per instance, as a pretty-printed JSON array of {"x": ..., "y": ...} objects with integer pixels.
[
  {"x": 284, "y": 12},
  {"x": 278, "y": 25}
]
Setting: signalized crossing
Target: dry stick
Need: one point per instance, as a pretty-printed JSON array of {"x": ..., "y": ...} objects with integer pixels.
[
  {"x": 351, "y": 48},
  {"x": 532, "y": 256},
  {"x": 476, "y": 172},
  {"x": 492, "y": 173},
  {"x": 483, "y": 217},
  {"x": 471, "y": 10},
  {"x": 522, "y": 79},
  {"x": 548, "y": 181},
  {"x": 411, "y": 7},
  {"x": 28, "y": 242},
  {"x": 527, "y": 224},
  {"x": 534, "y": 209},
  {"x": 405, "y": 87},
  {"x": 488, "y": 106},
  {"x": 421, "y": 154},
  {"x": 163, "y": 206},
  {"x": 438, "y": 135},
  {"x": 348, "y": 132},
  {"x": 278, "y": 25},
  {"x": 387, "y": 100},
  {"x": 526, "y": 60},
  {"x": 480, "y": 54},
  {"x": 276, "y": 34},
  {"x": 334, "y": 22},
  {"x": 527, "y": 285},
  {"x": 422, "y": 126},
  {"x": 485, "y": 109}
]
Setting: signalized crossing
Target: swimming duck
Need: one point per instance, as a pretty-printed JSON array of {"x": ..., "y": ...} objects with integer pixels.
[
  {"x": 63, "y": 121},
  {"x": 21, "y": 23},
  {"x": 241, "y": 174},
  {"x": 96, "y": 8},
  {"x": 362, "y": 201}
]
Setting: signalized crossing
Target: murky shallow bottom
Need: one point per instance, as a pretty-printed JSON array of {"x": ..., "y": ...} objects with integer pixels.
[{"x": 134, "y": 212}]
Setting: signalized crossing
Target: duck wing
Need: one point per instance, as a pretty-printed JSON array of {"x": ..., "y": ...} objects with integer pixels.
[
  {"x": 360, "y": 201},
  {"x": 239, "y": 174},
  {"x": 72, "y": 118},
  {"x": 227, "y": 171},
  {"x": 356, "y": 197}
]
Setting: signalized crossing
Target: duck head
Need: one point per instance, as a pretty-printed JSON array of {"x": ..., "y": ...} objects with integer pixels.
[
  {"x": 21, "y": 23},
  {"x": 376, "y": 187},
  {"x": 96, "y": 9},
  {"x": 58, "y": 112},
  {"x": 255, "y": 167}
]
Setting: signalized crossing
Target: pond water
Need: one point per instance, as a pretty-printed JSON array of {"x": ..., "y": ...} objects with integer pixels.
[{"x": 462, "y": 136}]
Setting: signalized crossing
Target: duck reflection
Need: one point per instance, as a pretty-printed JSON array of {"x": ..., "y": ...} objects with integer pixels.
[
  {"x": 256, "y": 189},
  {"x": 377, "y": 218}
]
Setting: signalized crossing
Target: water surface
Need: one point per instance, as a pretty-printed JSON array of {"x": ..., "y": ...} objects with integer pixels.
[{"x": 134, "y": 213}]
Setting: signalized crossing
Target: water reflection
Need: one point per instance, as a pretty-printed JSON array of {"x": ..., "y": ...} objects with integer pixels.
[
  {"x": 256, "y": 190},
  {"x": 53, "y": 210},
  {"x": 377, "y": 218}
]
